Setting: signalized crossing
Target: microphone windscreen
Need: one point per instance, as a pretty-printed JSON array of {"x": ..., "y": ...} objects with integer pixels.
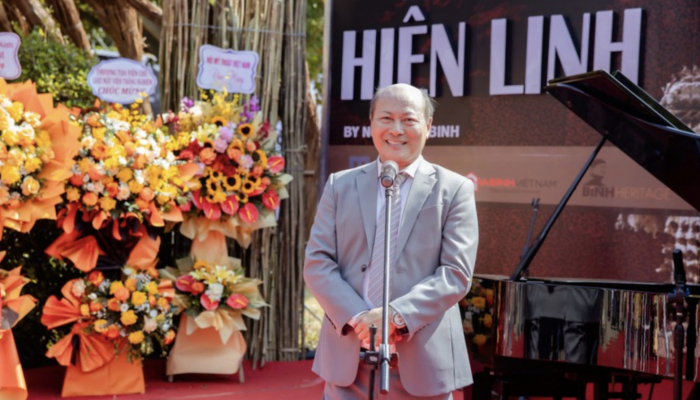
[{"x": 389, "y": 171}]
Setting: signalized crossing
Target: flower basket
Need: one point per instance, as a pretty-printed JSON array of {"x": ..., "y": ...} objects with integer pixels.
[
  {"x": 203, "y": 352},
  {"x": 13, "y": 307},
  {"x": 12, "y": 384},
  {"x": 118, "y": 376},
  {"x": 213, "y": 298}
]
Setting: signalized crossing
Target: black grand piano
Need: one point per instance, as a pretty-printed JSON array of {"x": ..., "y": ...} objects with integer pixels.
[{"x": 552, "y": 338}]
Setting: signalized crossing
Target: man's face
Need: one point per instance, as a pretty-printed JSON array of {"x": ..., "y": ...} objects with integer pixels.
[{"x": 398, "y": 126}]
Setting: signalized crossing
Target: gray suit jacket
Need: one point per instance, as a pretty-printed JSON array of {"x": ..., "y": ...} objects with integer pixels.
[{"x": 436, "y": 252}]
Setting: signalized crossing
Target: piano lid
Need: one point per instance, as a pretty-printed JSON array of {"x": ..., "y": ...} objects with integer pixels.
[{"x": 637, "y": 124}]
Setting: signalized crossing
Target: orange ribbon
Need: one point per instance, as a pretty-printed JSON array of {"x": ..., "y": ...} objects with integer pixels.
[{"x": 94, "y": 351}]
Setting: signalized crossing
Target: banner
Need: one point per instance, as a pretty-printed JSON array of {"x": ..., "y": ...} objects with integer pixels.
[
  {"x": 121, "y": 80},
  {"x": 485, "y": 62},
  {"x": 9, "y": 61}
]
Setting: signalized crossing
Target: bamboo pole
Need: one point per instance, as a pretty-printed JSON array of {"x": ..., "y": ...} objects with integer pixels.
[
  {"x": 68, "y": 17},
  {"x": 36, "y": 15},
  {"x": 274, "y": 29},
  {"x": 5, "y": 25}
]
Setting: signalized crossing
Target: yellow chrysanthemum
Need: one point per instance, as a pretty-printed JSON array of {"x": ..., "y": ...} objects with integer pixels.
[
  {"x": 135, "y": 187},
  {"x": 136, "y": 337},
  {"x": 163, "y": 304},
  {"x": 84, "y": 164},
  {"x": 128, "y": 318},
  {"x": 107, "y": 203},
  {"x": 116, "y": 285},
  {"x": 152, "y": 288},
  {"x": 131, "y": 284},
  {"x": 138, "y": 298},
  {"x": 125, "y": 175},
  {"x": 10, "y": 137},
  {"x": 32, "y": 164},
  {"x": 99, "y": 133},
  {"x": 16, "y": 110},
  {"x": 9, "y": 174},
  {"x": 72, "y": 194},
  {"x": 100, "y": 325},
  {"x": 85, "y": 310}
]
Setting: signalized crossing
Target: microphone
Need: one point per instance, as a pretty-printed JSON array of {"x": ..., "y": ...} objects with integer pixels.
[
  {"x": 678, "y": 269},
  {"x": 389, "y": 171}
]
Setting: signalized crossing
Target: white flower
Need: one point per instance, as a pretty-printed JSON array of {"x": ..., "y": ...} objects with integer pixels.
[
  {"x": 99, "y": 187},
  {"x": 124, "y": 192},
  {"x": 149, "y": 325},
  {"x": 215, "y": 291},
  {"x": 78, "y": 288},
  {"x": 128, "y": 272},
  {"x": 90, "y": 187},
  {"x": 124, "y": 307},
  {"x": 166, "y": 327},
  {"x": 92, "y": 296},
  {"x": 153, "y": 313}
]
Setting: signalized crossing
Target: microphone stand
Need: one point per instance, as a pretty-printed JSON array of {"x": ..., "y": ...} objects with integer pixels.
[
  {"x": 678, "y": 298},
  {"x": 383, "y": 358}
]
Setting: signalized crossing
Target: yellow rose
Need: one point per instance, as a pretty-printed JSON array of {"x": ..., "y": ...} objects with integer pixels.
[
  {"x": 163, "y": 303},
  {"x": 99, "y": 133},
  {"x": 125, "y": 175},
  {"x": 85, "y": 165},
  {"x": 128, "y": 318},
  {"x": 135, "y": 187},
  {"x": 32, "y": 164},
  {"x": 107, "y": 203},
  {"x": 162, "y": 199},
  {"x": 488, "y": 320},
  {"x": 30, "y": 186},
  {"x": 9, "y": 174},
  {"x": 138, "y": 298},
  {"x": 479, "y": 340},
  {"x": 136, "y": 337},
  {"x": 479, "y": 302},
  {"x": 116, "y": 285}
]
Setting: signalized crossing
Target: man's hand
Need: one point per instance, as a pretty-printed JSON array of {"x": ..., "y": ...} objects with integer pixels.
[{"x": 374, "y": 316}]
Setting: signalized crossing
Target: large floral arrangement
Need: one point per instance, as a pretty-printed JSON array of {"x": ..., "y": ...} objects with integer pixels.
[
  {"x": 215, "y": 295},
  {"x": 478, "y": 323},
  {"x": 36, "y": 152},
  {"x": 240, "y": 177},
  {"x": 13, "y": 305},
  {"x": 125, "y": 169},
  {"x": 132, "y": 313}
]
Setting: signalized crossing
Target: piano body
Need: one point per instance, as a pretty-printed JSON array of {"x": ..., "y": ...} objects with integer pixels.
[{"x": 552, "y": 337}]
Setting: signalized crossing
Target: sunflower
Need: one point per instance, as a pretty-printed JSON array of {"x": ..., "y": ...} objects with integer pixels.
[
  {"x": 259, "y": 157},
  {"x": 216, "y": 175},
  {"x": 232, "y": 183},
  {"x": 213, "y": 185},
  {"x": 254, "y": 181},
  {"x": 236, "y": 144},
  {"x": 246, "y": 130},
  {"x": 248, "y": 187},
  {"x": 218, "y": 121},
  {"x": 242, "y": 198}
]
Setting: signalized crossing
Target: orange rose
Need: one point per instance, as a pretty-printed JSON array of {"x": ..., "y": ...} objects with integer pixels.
[
  {"x": 257, "y": 171},
  {"x": 169, "y": 337},
  {"x": 112, "y": 332},
  {"x": 122, "y": 294},
  {"x": 130, "y": 148},
  {"x": 95, "y": 175},
  {"x": 207, "y": 156},
  {"x": 142, "y": 204},
  {"x": 89, "y": 199},
  {"x": 76, "y": 180},
  {"x": 99, "y": 150},
  {"x": 113, "y": 304},
  {"x": 197, "y": 287},
  {"x": 233, "y": 153},
  {"x": 147, "y": 194},
  {"x": 152, "y": 301},
  {"x": 96, "y": 278},
  {"x": 93, "y": 120},
  {"x": 95, "y": 306},
  {"x": 113, "y": 189},
  {"x": 139, "y": 162}
]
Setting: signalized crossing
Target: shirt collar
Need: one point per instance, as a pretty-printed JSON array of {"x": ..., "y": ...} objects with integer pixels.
[{"x": 410, "y": 170}]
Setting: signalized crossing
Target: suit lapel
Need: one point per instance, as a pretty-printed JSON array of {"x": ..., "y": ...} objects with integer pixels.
[
  {"x": 422, "y": 185},
  {"x": 366, "y": 185}
]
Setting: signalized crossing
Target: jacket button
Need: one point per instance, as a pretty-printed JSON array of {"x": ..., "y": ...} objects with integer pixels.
[{"x": 363, "y": 268}]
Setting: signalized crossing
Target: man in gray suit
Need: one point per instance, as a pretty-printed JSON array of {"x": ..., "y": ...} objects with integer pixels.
[{"x": 432, "y": 260}]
